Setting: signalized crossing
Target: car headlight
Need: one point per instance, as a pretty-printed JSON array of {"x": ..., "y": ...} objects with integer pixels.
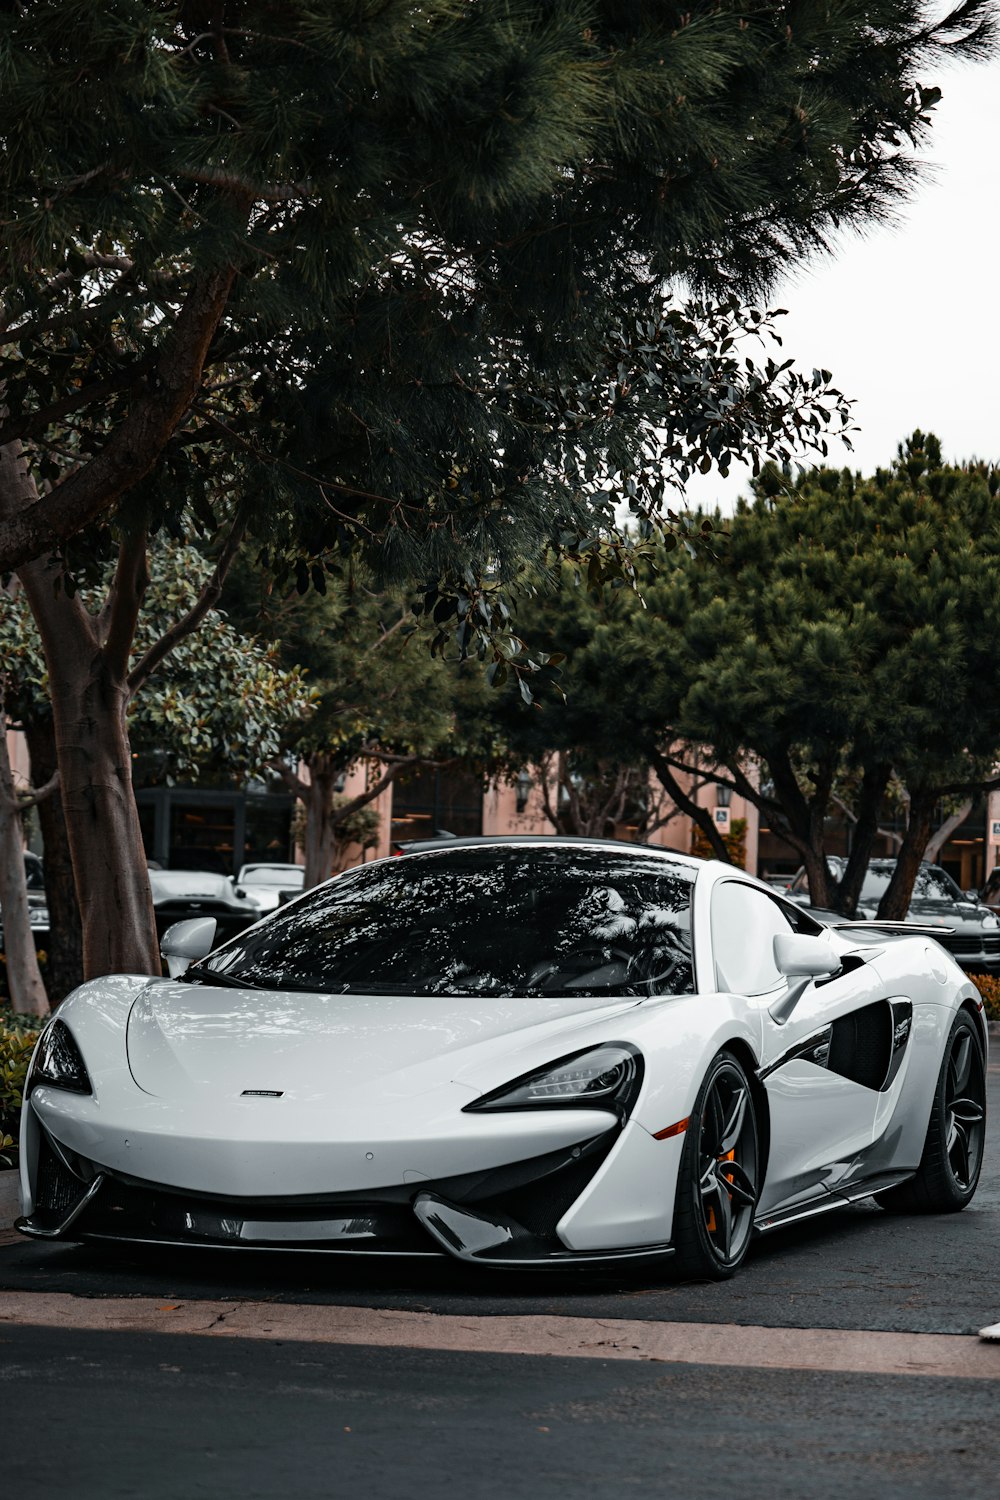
[
  {"x": 58, "y": 1062},
  {"x": 990, "y": 922},
  {"x": 605, "y": 1077}
]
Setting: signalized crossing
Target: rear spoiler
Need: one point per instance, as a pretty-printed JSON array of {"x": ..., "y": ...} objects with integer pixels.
[{"x": 904, "y": 929}]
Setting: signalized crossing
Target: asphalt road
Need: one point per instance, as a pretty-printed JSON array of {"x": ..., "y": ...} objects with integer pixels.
[{"x": 157, "y": 1414}]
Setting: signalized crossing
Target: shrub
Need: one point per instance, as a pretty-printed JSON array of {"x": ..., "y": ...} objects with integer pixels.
[
  {"x": 735, "y": 840},
  {"x": 18, "y": 1035},
  {"x": 989, "y": 987}
]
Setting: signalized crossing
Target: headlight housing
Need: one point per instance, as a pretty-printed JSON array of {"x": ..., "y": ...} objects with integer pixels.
[
  {"x": 58, "y": 1062},
  {"x": 605, "y": 1077}
]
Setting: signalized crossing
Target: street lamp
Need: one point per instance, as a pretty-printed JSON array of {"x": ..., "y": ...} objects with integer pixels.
[
  {"x": 723, "y": 796},
  {"x": 522, "y": 788}
]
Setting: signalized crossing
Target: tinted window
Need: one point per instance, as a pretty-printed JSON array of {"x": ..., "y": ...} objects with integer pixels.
[
  {"x": 272, "y": 875},
  {"x": 932, "y": 884},
  {"x": 489, "y": 921},
  {"x": 745, "y": 923}
]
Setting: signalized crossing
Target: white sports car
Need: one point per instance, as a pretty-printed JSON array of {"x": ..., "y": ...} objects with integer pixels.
[{"x": 515, "y": 1052}]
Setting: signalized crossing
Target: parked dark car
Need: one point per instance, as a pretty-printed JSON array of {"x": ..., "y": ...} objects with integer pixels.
[
  {"x": 970, "y": 931},
  {"x": 38, "y": 911}
]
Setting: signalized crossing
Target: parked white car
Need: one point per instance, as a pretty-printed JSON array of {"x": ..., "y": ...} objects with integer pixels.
[
  {"x": 514, "y": 1052},
  {"x": 271, "y": 885}
]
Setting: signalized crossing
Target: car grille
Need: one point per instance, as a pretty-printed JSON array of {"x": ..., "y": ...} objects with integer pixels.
[
  {"x": 202, "y": 906},
  {"x": 57, "y": 1191},
  {"x": 122, "y": 1210},
  {"x": 533, "y": 1194}
]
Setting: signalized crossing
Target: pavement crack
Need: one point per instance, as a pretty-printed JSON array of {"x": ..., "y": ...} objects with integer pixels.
[{"x": 219, "y": 1319}]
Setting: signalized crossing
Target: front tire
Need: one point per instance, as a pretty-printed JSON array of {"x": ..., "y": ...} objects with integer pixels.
[
  {"x": 718, "y": 1183},
  {"x": 953, "y": 1148}
]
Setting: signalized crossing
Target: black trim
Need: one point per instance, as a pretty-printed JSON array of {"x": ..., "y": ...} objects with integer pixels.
[
  {"x": 814, "y": 1048},
  {"x": 533, "y": 1194},
  {"x": 619, "y": 1103},
  {"x": 866, "y": 1045}
]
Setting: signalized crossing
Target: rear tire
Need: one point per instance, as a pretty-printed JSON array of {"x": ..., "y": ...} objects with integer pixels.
[
  {"x": 718, "y": 1182},
  {"x": 953, "y": 1149}
]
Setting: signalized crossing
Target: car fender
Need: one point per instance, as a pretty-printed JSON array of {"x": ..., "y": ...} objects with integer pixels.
[{"x": 678, "y": 1039}]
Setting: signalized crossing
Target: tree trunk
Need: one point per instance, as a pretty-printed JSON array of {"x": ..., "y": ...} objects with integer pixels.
[
  {"x": 895, "y": 901},
  {"x": 699, "y": 815},
  {"x": 64, "y": 970},
  {"x": 89, "y": 701},
  {"x": 873, "y": 786},
  {"x": 320, "y": 841},
  {"x": 89, "y": 704},
  {"x": 948, "y": 827},
  {"x": 102, "y": 824},
  {"x": 24, "y": 978}
]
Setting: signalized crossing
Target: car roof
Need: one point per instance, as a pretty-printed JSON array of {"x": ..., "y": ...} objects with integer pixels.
[
  {"x": 276, "y": 866},
  {"x": 538, "y": 840}
]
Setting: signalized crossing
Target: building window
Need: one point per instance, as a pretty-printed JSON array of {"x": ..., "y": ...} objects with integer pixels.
[{"x": 428, "y": 802}]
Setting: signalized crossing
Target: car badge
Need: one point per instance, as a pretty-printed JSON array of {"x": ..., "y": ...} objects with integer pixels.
[{"x": 262, "y": 1093}]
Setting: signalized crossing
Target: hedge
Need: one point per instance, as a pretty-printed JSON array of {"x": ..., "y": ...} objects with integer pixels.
[{"x": 18, "y": 1035}]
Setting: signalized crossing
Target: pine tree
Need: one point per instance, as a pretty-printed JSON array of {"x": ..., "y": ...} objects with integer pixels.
[
  {"x": 848, "y": 623},
  {"x": 200, "y": 198},
  {"x": 390, "y": 278}
]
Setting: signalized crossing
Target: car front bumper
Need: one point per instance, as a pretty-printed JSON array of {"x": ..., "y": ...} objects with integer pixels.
[{"x": 502, "y": 1217}]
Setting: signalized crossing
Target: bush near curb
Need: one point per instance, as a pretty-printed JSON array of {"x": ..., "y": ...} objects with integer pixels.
[
  {"x": 18, "y": 1035},
  {"x": 988, "y": 986}
]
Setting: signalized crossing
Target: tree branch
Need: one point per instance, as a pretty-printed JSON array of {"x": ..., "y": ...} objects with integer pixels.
[
  {"x": 117, "y": 621},
  {"x": 137, "y": 442},
  {"x": 207, "y": 599},
  {"x": 693, "y": 809},
  {"x": 38, "y": 794},
  {"x": 292, "y": 781},
  {"x": 32, "y": 424}
]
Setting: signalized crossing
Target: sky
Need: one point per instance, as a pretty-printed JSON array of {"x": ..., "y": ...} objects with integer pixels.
[{"x": 907, "y": 318}]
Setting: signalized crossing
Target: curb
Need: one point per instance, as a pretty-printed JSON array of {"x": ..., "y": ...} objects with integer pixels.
[{"x": 10, "y": 1198}]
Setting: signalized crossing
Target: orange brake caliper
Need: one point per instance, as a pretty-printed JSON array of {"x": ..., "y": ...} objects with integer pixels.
[{"x": 710, "y": 1223}]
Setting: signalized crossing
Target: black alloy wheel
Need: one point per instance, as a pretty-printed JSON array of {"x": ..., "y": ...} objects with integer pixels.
[
  {"x": 718, "y": 1183},
  {"x": 956, "y": 1133}
]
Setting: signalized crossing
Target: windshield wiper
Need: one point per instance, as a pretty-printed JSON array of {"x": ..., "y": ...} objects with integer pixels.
[{"x": 198, "y": 975}]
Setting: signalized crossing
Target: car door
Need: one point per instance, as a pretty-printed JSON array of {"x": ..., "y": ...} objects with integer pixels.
[{"x": 823, "y": 1066}]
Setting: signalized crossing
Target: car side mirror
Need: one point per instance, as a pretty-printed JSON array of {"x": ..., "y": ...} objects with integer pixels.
[
  {"x": 186, "y": 942},
  {"x": 801, "y": 958}
]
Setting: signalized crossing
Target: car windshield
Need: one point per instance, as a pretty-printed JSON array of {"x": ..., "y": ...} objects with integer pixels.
[
  {"x": 931, "y": 884},
  {"x": 286, "y": 875},
  {"x": 479, "y": 921}
]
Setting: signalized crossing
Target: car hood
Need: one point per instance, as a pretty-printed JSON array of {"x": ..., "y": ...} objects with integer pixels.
[
  {"x": 960, "y": 918},
  {"x": 187, "y": 1040},
  {"x": 196, "y": 885}
]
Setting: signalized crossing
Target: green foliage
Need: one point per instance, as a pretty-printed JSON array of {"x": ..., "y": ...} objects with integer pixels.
[
  {"x": 735, "y": 840},
  {"x": 422, "y": 251},
  {"x": 219, "y": 704},
  {"x": 17, "y": 1041},
  {"x": 988, "y": 986},
  {"x": 846, "y": 628},
  {"x": 372, "y": 681}
]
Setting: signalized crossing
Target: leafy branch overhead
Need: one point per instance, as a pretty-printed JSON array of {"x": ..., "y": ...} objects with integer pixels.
[
  {"x": 220, "y": 702},
  {"x": 393, "y": 278}
]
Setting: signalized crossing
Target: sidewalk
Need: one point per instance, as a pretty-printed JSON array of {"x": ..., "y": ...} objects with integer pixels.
[{"x": 10, "y": 1202}]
